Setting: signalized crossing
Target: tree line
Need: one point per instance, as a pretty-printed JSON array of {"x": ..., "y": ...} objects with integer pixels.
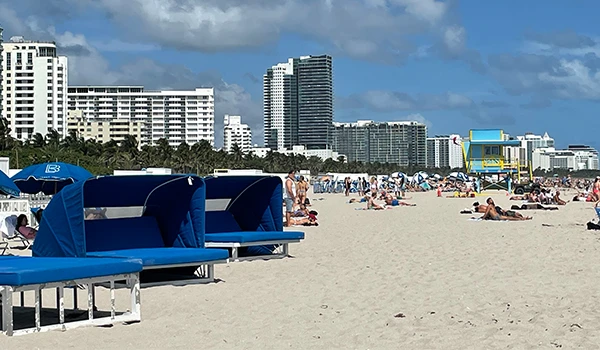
[{"x": 199, "y": 158}]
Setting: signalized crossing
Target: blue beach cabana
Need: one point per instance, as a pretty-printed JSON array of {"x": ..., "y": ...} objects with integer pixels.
[
  {"x": 245, "y": 215},
  {"x": 157, "y": 219}
]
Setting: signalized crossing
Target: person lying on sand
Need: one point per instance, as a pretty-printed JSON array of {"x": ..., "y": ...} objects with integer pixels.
[
  {"x": 371, "y": 203},
  {"x": 390, "y": 200},
  {"x": 524, "y": 197},
  {"x": 482, "y": 208},
  {"x": 303, "y": 221},
  {"x": 492, "y": 214}
]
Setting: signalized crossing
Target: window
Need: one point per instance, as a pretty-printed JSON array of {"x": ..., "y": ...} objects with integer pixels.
[{"x": 492, "y": 150}]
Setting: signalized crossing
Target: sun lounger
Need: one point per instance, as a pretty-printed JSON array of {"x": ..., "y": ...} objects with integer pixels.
[
  {"x": 157, "y": 219},
  {"x": 141, "y": 238},
  {"x": 244, "y": 214},
  {"x": 222, "y": 231},
  {"x": 21, "y": 274}
]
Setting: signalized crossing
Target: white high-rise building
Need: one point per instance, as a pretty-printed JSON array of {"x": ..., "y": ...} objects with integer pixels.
[
  {"x": 276, "y": 83},
  {"x": 234, "y": 132},
  {"x": 177, "y": 116},
  {"x": 445, "y": 152},
  {"x": 35, "y": 81},
  {"x": 298, "y": 103}
]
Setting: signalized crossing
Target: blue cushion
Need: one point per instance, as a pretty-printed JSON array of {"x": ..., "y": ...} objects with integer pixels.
[
  {"x": 221, "y": 221},
  {"x": 166, "y": 256},
  {"x": 123, "y": 233},
  {"x": 252, "y": 236},
  {"x": 19, "y": 271}
]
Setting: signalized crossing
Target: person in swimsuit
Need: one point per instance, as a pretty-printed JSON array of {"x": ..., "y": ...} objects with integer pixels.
[
  {"x": 301, "y": 187},
  {"x": 492, "y": 214}
]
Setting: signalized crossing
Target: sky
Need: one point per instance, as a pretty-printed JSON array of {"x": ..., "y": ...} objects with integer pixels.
[{"x": 522, "y": 66}]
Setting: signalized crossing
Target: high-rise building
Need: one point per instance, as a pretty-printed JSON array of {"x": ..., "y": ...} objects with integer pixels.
[
  {"x": 236, "y": 133},
  {"x": 104, "y": 130},
  {"x": 529, "y": 143},
  {"x": 403, "y": 143},
  {"x": 33, "y": 68},
  {"x": 177, "y": 116},
  {"x": 575, "y": 157},
  {"x": 445, "y": 152},
  {"x": 298, "y": 103}
]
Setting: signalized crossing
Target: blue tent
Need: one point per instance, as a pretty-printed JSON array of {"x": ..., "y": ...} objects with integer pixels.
[
  {"x": 177, "y": 203},
  {"x": 49, "y": 178}
]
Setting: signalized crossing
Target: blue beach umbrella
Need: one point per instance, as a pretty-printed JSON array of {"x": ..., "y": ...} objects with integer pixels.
[
  {"x": 7, "y": 186},
  {"x": 49, "y": 178},
  {"x": 420, "y": 177},
  {"x": 460, "y": 176}
]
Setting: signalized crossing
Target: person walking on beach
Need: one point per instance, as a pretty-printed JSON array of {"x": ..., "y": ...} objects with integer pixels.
[
  {"x": 290, "y": 196},
  {"x": 347, "y": 185}
]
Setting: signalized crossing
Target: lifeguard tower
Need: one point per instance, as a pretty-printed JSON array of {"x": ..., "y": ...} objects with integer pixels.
[{"x": 484, "y": 156}]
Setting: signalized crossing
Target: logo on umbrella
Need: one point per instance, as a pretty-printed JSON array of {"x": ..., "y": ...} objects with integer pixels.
[{"x": 52, "y": 168}]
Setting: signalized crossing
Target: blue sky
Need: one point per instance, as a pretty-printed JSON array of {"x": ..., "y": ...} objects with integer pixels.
[{"x": 524, "y": 66}]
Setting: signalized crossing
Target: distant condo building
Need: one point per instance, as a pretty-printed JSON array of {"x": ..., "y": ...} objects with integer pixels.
[
  {"x": 523, "y": 154},
  {"x": 574, "y": 158},
  {"x": 103, "y": 130},
  {"x": 236, "y": 133},
  {"x": 298, "y": 103},
  {"x": 403, "y": 143},
  {"x": 177, "y": 116},
  {"x": 445, "y": 152},
  {"x": 35, "y": 81}
]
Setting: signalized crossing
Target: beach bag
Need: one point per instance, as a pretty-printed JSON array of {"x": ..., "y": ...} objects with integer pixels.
[{"x": 593, "y": 226}]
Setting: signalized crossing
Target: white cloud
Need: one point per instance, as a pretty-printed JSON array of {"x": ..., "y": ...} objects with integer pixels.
[{"x": 366, "y": 29}]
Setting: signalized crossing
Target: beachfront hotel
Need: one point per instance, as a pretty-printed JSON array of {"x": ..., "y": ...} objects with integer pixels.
[
  {"x": 103, "y": 130},
  {"x": 403, "y": 142},
  {"x": 575, "y": 157},
  {"x": 445, "y": 152},
  {"x": 298, "y": 103},
  {"x": 236, "y": 133},
  {"x": 33, "y": 68},
  {"x": 177, "y": 116}
]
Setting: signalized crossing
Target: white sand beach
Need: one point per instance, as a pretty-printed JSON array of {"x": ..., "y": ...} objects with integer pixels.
[{"x": 421, "y": 277}]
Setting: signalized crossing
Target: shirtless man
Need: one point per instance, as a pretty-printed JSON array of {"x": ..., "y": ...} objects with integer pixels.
[{"x": 492, "y": 214}]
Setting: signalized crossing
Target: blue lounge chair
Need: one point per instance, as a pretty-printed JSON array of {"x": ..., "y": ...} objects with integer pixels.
[
  {"x": 244, "y": 214},
  {"x": 21, "y": 274},
  {"x": 164, "y": 227}
]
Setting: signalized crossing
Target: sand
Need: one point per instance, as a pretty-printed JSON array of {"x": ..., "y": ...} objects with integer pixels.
[{"x": 420, "y": 277}]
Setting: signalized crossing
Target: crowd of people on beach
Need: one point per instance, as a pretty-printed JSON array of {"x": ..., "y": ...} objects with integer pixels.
[{"x": 296, "y": 202}]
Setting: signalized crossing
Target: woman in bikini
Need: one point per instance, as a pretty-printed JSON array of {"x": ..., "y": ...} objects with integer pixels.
[{"x": 301, "y": 188}]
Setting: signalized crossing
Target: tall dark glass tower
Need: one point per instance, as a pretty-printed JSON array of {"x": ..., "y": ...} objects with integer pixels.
[
  {"x": 298, "y": 103},
  {"x": 315, "y": 101}
]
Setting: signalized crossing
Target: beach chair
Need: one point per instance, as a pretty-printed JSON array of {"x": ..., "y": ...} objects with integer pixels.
[
  {"x": 223, "y": 231},
  {"x": 23, "y": 274},
  {"x": 11, "y": 237},
  {"x": 244, "y": 215},
  {"x": 156, "y": 219}
]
